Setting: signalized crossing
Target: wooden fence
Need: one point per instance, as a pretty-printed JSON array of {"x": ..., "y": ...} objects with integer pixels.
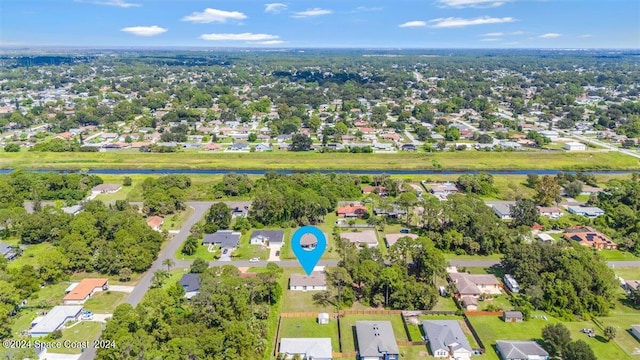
[
  {"x": 483, "y": 313},
  {"x": 474, "y": 333}
]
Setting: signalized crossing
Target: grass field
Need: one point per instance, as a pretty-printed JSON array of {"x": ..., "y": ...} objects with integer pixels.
[
  {"x": 617, "y": 255},
  {"x": 201, "y": 253},
  {"x": 315, "y": 161},
  {"x": 302, "y": 301},
  {"x": 309, "y": 328},
  {"x": 32, "y": 255},
  {"x": 82, "y": 331},
  {"x": 492, "y": 328},
  {"x": 104, "y": 302},
  {"x": 175, "y": 221},
  {"x": 628, "y": 273}
]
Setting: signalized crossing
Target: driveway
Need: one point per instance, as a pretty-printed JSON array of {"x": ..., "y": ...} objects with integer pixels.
[
  {"x": 54, "y": 356},
  {"x": 272, "y": 253},
  {"x": 121, "y": 288}
]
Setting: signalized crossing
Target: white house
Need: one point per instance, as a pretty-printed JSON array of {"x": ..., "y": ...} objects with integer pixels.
[
  {"x": 635, "y": 331},
  {"x": 307, "y": 348},
  {"x": 54, "y": 320},
  {"x": 575, "y": 146},
  {"x": 586, "y": 211},
  {"x": 316, "y": 281}
]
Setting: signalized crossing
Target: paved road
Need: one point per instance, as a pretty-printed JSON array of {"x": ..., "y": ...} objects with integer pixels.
[
  {"x": 607, "y": 146},
  {"x": 412, "y": 138},
  {"x": 168, "y": 252}
]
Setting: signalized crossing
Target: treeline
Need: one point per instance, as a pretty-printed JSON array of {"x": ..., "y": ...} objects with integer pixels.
[
  {"x": 621, "y": 203},
  {"x": 165, "y": 195},
  {"x": 299, "y": 198},
  {"x": 226, "y": 320},
  {"x": 565, "y": 280},
  {"x": 19, "y": 186},
  {"x": 109, "y": 240},
  {"x": 373, "y": 280},
  {"x": 466, "y": 225}
]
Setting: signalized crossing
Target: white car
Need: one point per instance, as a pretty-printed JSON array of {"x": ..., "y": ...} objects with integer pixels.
[{"x": 254, "y": 260}]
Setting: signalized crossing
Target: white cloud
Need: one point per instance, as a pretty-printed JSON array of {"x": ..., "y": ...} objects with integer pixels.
[
  {"x": 550, "y": 36},
  {"x": 497, "y": 34},
  {"x": 275, "y": 8},
  {"x": 269, "y": 42},
  {"x": 490, "y": 39},
  {"x": 144, "y": 30},
  {"x": 585, "y": 36},
  {"x": 312, "y": 12},
  {"x": 460, "y": 22},
  {"x": 238, "y": 37},
  {"x": 472, "y": 3},
  {"x": 214, "y": 16},
  {"x": 10, "y": 43},
  {"x": 413, "y": 24},
  {"x": 117, "y": 3},
  {"x": 366, "y": 8}
]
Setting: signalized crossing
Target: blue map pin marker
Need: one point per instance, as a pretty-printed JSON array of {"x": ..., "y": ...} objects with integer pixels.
[{"x": 308, "y": 255}]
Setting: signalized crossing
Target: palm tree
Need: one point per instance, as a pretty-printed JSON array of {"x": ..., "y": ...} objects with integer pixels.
[
  {"x": 159, "y": 277},
  {"x": 168, "y": 263}
]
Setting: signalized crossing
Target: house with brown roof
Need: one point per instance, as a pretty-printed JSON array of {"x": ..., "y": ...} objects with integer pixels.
[
  {"x": 366, "y": 237},
  {"x": 380, "y": 190},
  {"x": 316, "y": 281},
  {"x": 391, "y": 239},
  {"x": 351, "y": 211},
  {"x": 475, "y": 284},
  {"x": 212, "y": 147},
  {"x": 588, "y": 236},
  {"x": 550, "y": 212},
  {"x": 155, "y": 222},
  {"x": 83, "y": 290},
  {"x": 65, "y": 135}
]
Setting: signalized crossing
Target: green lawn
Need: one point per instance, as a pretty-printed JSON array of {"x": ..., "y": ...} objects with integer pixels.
[
  {"x": 175, "y": 221},
  {"x": 201, "y": 253},
  {"x": 48, "y": 296},
  {"x": 492, "y": 328},
  {"x": 348, "y": 323},
  {"x": 628, "y": 273},
  {"x": 104, "y": 302},
  {"x": 82, "y": 331},
  {"x": 309, "y": 327},
  {"x": 32, "y": 255},
  {"x": 617, "y": 255},
  {"x": 176, "y": 275},
  {"x": 302, "y": 301},
  {"x": 326, "y": 161},
  {"x": 122, "y": 194}
]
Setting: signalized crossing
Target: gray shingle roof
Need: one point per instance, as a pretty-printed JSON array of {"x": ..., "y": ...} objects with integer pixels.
[
  {"x": 225, "y": 238},
  {"x": 311, "y": 348},
  {"x": 56, "y": 318},
  {"x": 375, "y": 338},
  {"x": 317, "y": 278},
  {"x": 519, "y": 349},
  {"x": 190, "y": 282},
  {"x": 273, "y": 236},
  {"x": 445, "y": 335}
]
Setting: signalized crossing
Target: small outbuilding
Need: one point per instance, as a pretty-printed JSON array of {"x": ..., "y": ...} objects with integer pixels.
[{"x": 512, "y": 316}]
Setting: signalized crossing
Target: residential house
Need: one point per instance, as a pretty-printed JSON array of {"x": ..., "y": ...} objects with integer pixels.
[
  {"x": 441, "y": 190},
  {"x": 512, "y": 316},
  {"x": 54, "y": 320},
  {"x": 591, "y": 190},
  {"x": 284, "y": 138},
  {"x": 80, "y": 292},
  {"x": 521, "y": 350},
  {"x": 588, "y": 236},
  {"x": 191, "y": 284},
  {"x": 380, "y": 190},
  {"x": 575, "y": 146},
  {"x": 394, "y": 212},
  {"x": 316, "y": 281},
  {"x": 263, "y": 147},
  {"x": 631, "y": 285},
  {"x": 212, "y": 147},
  {"x": 309, "y": 242},
  {"x": 155, "y": 222},
  {"x": 635, "y": 331},
  {"x": 238, "y": 147},
  {"x": 469, "y": 303},
  {"x": 475, "y": 284},
  {"x": 306, "y": 348},
  {"x": 366, "y": 237},
  {"x": 545, "y": 238},
  {"x": 226, "y": 239},
  {"x": 550, "y": 212},
  {"x": 351, "y": 211},
  {"x": 376, "y": 341},
  {"x": 106, "y": 188},
  {"x": 409, "y": 147},
  {"x": 511, "y": 283},
  {"x": 8, "y": 252},
  {"x": 586, "y": 211},
  {"x": 73, "y": 210},
  {"x": 267, "y": 238},
  {"x": 391, "y": 239},
  {"x": 446, "y": 339},
  {"x": 503, "y": 210}
]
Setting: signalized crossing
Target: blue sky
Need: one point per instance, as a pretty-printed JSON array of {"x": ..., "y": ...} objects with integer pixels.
[{"x": 327, "y": 23}]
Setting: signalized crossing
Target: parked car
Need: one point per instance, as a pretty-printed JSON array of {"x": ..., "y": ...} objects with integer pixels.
[
  {"x": 278, "y": 253},
  {"x": 254, "y": 260}
]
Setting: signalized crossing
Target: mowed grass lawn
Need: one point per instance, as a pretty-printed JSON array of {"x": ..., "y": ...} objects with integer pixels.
[
  {"x": 302, "y": 301},
  {"x": 175, "y": 221},
  {"x": 476, "y": 160},
  {"x": 104, "y": 302},
  {"x": 348, "y": 323},
  {"x": 492, "y": 328},
  {"x": 628, "y": 273},
  {"x": 309, "y": 328},
  {"x": 82, "y": 331}
]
